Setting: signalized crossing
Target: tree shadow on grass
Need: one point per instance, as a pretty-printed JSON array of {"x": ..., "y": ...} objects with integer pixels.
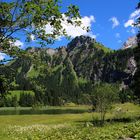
[{"x": 99, "y": 123}]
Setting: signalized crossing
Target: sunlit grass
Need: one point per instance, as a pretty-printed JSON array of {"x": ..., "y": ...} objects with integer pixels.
[{"x": 71, "y": 123}]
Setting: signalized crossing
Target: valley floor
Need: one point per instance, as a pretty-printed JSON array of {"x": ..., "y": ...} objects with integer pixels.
[{"x": 122, "y": 122}]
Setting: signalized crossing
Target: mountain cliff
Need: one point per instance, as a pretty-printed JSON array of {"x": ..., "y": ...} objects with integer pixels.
[
  {"x": 69, "y": 71},
  {"x": 130, "y": 43}
]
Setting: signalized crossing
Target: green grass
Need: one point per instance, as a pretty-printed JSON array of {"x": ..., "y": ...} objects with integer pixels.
[
  {"x": 33, "y": 72},
  {"x": 17, "y": 93},
  {"x": 71, "y": 126},
  {"x": 105, "y": 49}
]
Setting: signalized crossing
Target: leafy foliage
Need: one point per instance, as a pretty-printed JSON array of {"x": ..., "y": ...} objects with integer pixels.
[
  {"x": 69, "y": 74},
  {"x": 30, "y": 17},
  {"x": 103, "y": 98},
  {"x": 68, "y": 132},
  {"x": 3, "y": 86},
  {"x": 136, "y": 81}
]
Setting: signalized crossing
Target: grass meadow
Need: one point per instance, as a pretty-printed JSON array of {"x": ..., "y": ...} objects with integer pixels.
[{"x": 122, "y": 122}]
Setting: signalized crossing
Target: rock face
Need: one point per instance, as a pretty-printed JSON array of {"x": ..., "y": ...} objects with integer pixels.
[
  {"x": 130, "y": 43},
  {"x": 130, "y": 70},
  {"x": 51, "y": 51},
  {"x": 131, "y": 66},
  {"x": 80, "y": 41},
  {"x": 92, "y": 61},
  {"x": 82, "y": 58}
]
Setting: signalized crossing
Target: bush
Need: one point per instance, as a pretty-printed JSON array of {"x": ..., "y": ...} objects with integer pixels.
[
  {"x": 70, "y": 104},
  {"x": 104, "y": 96}
]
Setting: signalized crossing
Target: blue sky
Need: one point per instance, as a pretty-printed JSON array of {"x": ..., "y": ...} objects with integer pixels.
[
  {"x": 109, "y": 20},
  {"x": 103, "y": 10}
]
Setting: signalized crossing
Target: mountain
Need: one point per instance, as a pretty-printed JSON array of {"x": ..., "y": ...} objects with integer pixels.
[
  {"x": 130, "y": 43},
  {"x": 63, "y": 74}
]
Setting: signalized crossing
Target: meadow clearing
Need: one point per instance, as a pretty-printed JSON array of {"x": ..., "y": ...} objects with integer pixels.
[{"x": 122, "y": 122}]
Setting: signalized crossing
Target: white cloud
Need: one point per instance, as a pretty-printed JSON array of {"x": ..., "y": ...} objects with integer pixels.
[
  {"x": 18, "y": 43},
  {"x": 135, "y": 14},
  {"x": 2, "y": 56},
  {"x": 88, "y": 20},
  {"x": 132, "y": 18},
  {"x": 73, "y": 30},
  {"x": 32, "y": 37},
  {"x": 77, "y": 31},
  {"x": 117, "y": 35},
  {"x": 130, "y": 22},
  {"x": 48, "y": 29},
  {"x": 114, "y": 21}
]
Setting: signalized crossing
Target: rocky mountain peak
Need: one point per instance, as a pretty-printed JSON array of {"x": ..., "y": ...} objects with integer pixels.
[
  {"x": 62, "y": 51},
  {"x": 80, "y": 41},
  {"x": 130, "y": 43},
  {"x": 33, "y": 50},
  {"x": 51, "y": 51}
]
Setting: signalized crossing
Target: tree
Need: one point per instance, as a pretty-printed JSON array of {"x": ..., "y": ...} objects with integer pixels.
[
  {"x": 30, "y": 17},
  {"x": 14, "y": 101},
  {"x": 70, "y": 85},
  {"x": 26, "y": 100},
  {"x": 136, "y": 78},
  {"x": 104, "y": 96},
  {"x": 3, "y": 86}
]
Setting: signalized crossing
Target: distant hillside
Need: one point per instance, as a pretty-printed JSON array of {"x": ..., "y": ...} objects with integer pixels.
[{"x": 67, "y": 72}]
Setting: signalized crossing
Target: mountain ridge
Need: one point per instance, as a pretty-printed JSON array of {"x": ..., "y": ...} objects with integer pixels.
[
  {"x": 131, "y": 42},
  {"x": 72, "y": 70}
]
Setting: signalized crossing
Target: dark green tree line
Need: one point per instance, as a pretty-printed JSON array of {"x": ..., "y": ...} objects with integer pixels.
[{"x": 136, "y": 82}]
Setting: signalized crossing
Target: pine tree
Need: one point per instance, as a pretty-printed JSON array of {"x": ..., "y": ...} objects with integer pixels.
[{"x": 136, "y": 82}]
